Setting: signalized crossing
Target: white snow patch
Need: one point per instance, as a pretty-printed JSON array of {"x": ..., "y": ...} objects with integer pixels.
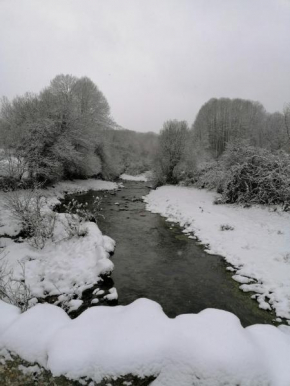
[
  {"x": 209, "y": 348},
  {"x": 63, "y": 266},
  {"x": 113, "y": 294},
  {"x": 242, "y": 279},
  {"x": 144, "y": 177},
  {"x": 66, "y": 267},
  {"x": 4, "y": 356},
  {"x": 8, "y": 314},
  {"x": 32, "y": 331},
  {"x": 34, "y": 370},
  {"x": 256, "y": 246},
  {"x": 78, "y": 186},
  {"x": 98, "y": 292},
  {"x": 74, "y": 304}
]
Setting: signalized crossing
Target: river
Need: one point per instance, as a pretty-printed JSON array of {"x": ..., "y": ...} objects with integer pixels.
[{"x": 154, "y": 259}]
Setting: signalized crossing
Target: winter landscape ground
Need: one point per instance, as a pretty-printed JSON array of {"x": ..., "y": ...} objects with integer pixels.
[{"x": 210, "y": 348}]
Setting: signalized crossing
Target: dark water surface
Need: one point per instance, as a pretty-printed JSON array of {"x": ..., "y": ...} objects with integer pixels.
[{"x": 159, "y": 263}]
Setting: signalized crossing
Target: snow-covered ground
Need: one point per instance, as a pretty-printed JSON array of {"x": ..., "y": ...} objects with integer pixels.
[
  {"x": 141, "y": 177},
  {"x": 256, "y": 240},
  {"x": 10, "y": 227},
  {"x": 65, "y": 266},
  {"x": 209, "y": 348}
]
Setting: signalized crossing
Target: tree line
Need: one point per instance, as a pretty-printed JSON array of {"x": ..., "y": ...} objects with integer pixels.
[
  {"x": 234, "y": 146},
  {"x": 66, "y": 131}
]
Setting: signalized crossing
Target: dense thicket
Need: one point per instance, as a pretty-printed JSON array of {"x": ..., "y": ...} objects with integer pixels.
[{"x": 65, "y": 132}]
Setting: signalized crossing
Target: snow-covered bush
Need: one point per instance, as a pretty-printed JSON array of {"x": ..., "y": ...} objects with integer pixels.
[
  {"x": 77, "y": 214},
  {"x": 209, "y": 176},
  {"x": 29, "y": 208},
  {"x": 248, "y": 175},
  {"x": 255, "y": 175},
  {"x": 171, "y": 151},
  {"x": 13, "y": 290}
]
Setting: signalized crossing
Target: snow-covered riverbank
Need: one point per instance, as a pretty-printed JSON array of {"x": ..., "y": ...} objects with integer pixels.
[
  {"x": 256, "y": 240},
  {"x": 209, "y": 348},
  {"x": 66, "y": 266}
]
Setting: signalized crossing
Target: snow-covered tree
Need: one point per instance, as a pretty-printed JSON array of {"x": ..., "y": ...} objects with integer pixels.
[{"x": 171, "y": 150}]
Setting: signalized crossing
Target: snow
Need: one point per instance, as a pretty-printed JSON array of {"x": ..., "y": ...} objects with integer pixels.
[
  {"x": 34, "y": 370},
  {"x": 98, "y": 292},
  {"x": 8, "y": 314},
  {"x": 65, "y": 265},
  {"x": 258, "y": 246},
  {"x": 74, "y": 304},
  {"x": 77, "y": 186},
  {"x": 144, "y": 177},
  {"x": 32, "y": 331},
  {"x": 209, "y": 348},
  {"x": 113, "y": 295},
  {"x": 10, "y": 227}
]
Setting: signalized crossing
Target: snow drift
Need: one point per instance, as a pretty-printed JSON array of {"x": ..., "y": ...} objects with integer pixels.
[{"x": 209, "y": 348}]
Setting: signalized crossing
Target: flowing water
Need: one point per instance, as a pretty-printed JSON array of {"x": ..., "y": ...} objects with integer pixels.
[{"x": 154, "y": 259}]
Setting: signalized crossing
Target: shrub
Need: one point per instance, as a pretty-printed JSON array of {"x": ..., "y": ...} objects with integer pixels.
[
  {"x": 29, "y": 207},
  {"x": 257, "y": 176},
  {"x": 247, "y": 175},
  {"x": 209, "y": 176},
  {"x": 77, "y": 214},
  {"x": 13, "y": 290}
]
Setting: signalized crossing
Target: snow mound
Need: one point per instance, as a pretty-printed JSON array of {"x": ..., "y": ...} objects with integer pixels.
[
  {"x": 209, "y": 348},
  {"x": 64, "y": 267},
  {"x": 8, "y": 314},
  {"x": 258, "y": 243},
  {"x": 31, "y": 333}
]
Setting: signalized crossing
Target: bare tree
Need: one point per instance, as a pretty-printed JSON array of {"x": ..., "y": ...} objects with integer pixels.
[
  {"x": 220, "y": 121},
  {"x": 171, "y": 149}
]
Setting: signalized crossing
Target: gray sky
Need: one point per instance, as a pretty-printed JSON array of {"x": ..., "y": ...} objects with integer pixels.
[{"x": 153, "y": 59}]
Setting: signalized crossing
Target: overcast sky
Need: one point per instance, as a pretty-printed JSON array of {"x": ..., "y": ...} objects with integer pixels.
[{"x": 154, "y": 60}]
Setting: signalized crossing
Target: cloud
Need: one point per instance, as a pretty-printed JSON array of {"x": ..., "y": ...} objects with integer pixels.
[{"x": 153, "y": 60}]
